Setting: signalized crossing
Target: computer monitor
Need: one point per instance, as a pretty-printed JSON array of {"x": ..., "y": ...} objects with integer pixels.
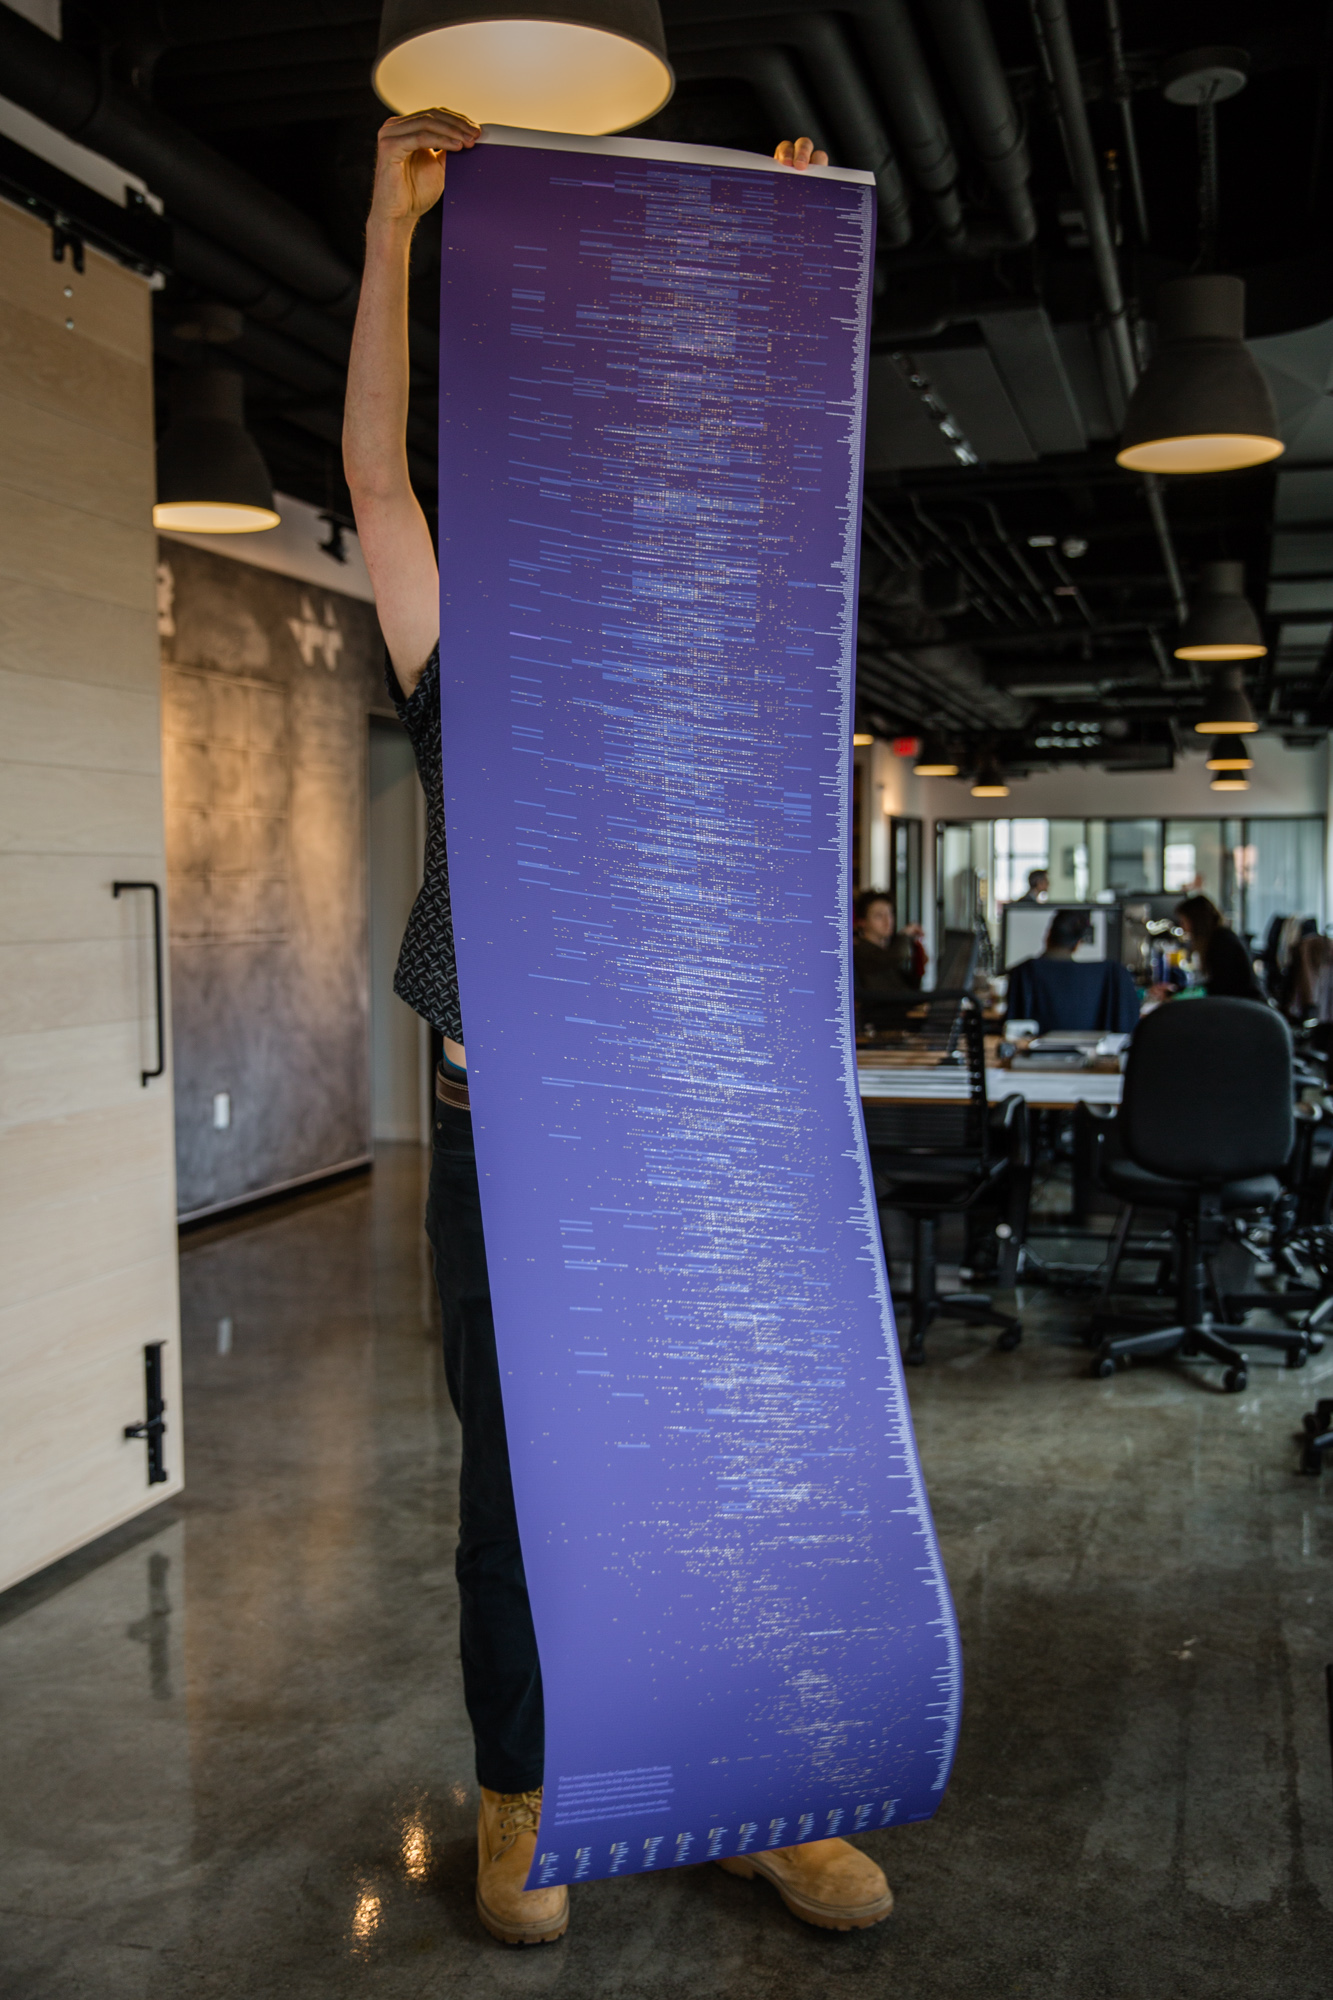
[
  {"x": 958, "y": 961},
  {"x": 1023, "y": 928}
]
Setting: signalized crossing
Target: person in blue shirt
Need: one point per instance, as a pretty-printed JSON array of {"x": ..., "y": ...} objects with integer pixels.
[{"x": 1056, "y": 992}]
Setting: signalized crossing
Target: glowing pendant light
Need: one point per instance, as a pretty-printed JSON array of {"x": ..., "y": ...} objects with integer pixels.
[
  {"x": 1202, "y": 404},
  {"x": 585, "y": 66},
  {"x": 1228, "y": 711},
  {"x": 211, "y": 478},
  {"x": 862, "y": 739},
  {"x": 1232, "y": 764},
  {"x": 1221, "y": 623},
  {"x": 989, "y": 781},
  {"x": 934, "y": 761},
  {"x": 1230, "y": 785}
]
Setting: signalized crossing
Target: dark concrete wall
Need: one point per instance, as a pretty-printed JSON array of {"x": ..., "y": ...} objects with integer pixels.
[{"x": 267, "y": 683}]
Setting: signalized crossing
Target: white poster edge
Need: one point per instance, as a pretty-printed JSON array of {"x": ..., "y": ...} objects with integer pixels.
[{"x": 666, "y": 150}]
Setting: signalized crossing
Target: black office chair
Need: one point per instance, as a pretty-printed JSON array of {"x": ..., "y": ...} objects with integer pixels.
[
  {"x": 946, "y": 1154},
  {"x": 1206, "y": 1124}
]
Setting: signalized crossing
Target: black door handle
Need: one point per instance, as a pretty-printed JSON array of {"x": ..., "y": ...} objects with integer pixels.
[
  {"x": 154, "y": 1425},
  {"x": 156, "y": 893}
]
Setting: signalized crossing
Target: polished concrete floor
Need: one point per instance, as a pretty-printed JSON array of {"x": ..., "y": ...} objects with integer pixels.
[{"x": 234, "y": 1763}]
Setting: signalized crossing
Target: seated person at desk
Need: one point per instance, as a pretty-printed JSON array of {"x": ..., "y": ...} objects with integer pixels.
[
  {"x": 1224, "y": 964},
  {"x": 1038, "y": 889},
  {"x": 1056, "y": 993},
  {"x": 886, "y": 962}
]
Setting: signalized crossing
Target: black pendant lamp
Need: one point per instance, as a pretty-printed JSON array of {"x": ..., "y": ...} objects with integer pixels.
[
  {"x": 934, "y": 761},
  {"x": 1222, "y": 624},
  {"x": 1228, "y": 711},
  {"x": 1202, "y": 404},
  {"x": 211, "y": 478},
  {"x": 1235, "y": 783},
  {"x": 584, "y": 66},
  {"x": 1230, "y": 764},
  {"x": 989, "y": 781}
]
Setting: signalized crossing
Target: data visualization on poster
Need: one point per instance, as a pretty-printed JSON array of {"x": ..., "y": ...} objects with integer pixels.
[{"x": 652, "y": 399}]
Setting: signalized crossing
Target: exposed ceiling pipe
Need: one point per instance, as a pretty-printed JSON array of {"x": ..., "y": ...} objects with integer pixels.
[
  {"x": 964, "y": 35},
  {"x": 903, "y": 81},
  {"x": 286, "y": 47},
  {"x": 774, "y": 78},
  {"x": 206, "y": 21},
  {"x": 905, "y": 84},
  {"x": 1055, "y": 41},
  {"x": 222, "y": 274},
  {"x": 274, "y": 85},
  {"x": 864, "y": 141},
  {"x": 56, "y": 82},
  {"x": 239, "y": 114}
]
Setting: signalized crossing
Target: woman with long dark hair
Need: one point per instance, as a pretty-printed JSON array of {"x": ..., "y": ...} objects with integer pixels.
[{"x": 1224, "y": 963}]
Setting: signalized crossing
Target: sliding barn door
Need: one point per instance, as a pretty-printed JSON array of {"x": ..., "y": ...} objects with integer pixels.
[{"x": 87, "y": 1237}]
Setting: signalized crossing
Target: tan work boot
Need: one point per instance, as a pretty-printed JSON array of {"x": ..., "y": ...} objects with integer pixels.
[
  {"x": 825, "y": 1882},
  {"x": 506, "y": 1843}
]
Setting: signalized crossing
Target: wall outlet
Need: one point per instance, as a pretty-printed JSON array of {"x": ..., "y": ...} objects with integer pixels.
[{"x": 221, "y": 1110}]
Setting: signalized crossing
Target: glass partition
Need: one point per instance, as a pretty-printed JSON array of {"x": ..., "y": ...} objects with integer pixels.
[
  {"x": 1067, "y": 861},
  {"x": 1020, "y": 846},
  {"x": 905, "y": 869},
  {"x": 1281, "y": 866},
  {"x": 1133, "y": 857},
  {"x": 963, "y": 873},
  {"x": 1195, "y": 861},
  {"x": 1253, "y": 869}
]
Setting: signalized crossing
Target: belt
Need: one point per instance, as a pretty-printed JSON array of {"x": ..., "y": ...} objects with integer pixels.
[{"x": 451, "y": 1092}]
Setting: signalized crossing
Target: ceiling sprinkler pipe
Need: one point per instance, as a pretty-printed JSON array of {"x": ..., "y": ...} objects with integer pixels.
[{"x": 1055, "y": 41}]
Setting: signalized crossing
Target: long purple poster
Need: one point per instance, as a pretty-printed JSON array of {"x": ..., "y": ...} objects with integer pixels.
[{"x": 651, "y": 413}]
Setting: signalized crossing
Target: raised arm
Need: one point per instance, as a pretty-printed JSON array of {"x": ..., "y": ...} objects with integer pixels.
[{"x": 409, "y": 179}]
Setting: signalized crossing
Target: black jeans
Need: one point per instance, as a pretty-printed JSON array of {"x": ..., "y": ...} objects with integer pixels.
[{"x": 502, "y": 1683}]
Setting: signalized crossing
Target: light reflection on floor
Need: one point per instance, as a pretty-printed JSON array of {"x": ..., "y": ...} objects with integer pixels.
[{"x": 233, "y": 1762}]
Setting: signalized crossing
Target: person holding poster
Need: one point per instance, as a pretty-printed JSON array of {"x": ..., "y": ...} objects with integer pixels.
[{"x": 829, "y": 1883}]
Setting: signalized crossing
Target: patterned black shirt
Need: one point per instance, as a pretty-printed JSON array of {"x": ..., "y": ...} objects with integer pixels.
[{"x": 427, "y": 977}]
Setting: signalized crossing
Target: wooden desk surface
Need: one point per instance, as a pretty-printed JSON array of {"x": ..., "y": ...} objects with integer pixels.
[{"x": 1043, "y": 1090}]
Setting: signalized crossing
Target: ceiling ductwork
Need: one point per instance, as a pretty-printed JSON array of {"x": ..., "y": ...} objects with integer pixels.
[{"x": 1016, "y": 583}]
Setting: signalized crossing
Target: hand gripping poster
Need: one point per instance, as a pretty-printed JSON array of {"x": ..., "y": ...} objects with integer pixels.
[{"x": 653, "y": 367}]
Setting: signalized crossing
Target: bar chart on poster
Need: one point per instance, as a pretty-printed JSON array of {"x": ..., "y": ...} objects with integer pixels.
[{"x": 652, "y": 397}]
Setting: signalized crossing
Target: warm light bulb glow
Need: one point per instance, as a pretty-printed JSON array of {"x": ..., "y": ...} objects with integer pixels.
[
  {"x": 1230, "y": 785},
  {"x": 212, "y": 517},
  {"x": 1230, "y": 764},
  {"x": 1219, "y": 652},
  {"x": 548, "y": 76},
  {"x": 861, "y": 740},
  {"x": 935, "y": 770},
  {"x": 1225, "y": 728},
  {"x": 990, "y": 791},
  {"x": 1217, "y": 451}
]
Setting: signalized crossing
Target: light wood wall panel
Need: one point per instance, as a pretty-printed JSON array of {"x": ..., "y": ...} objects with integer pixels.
[
  {"x": 87, "y": 1184},
  {"x": 47, "y": 632}
]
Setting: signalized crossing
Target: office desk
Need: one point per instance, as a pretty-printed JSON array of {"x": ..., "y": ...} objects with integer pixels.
[
  {"x": 1043, "y": 1090},
  {"x": 881, "y": 1080}
]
